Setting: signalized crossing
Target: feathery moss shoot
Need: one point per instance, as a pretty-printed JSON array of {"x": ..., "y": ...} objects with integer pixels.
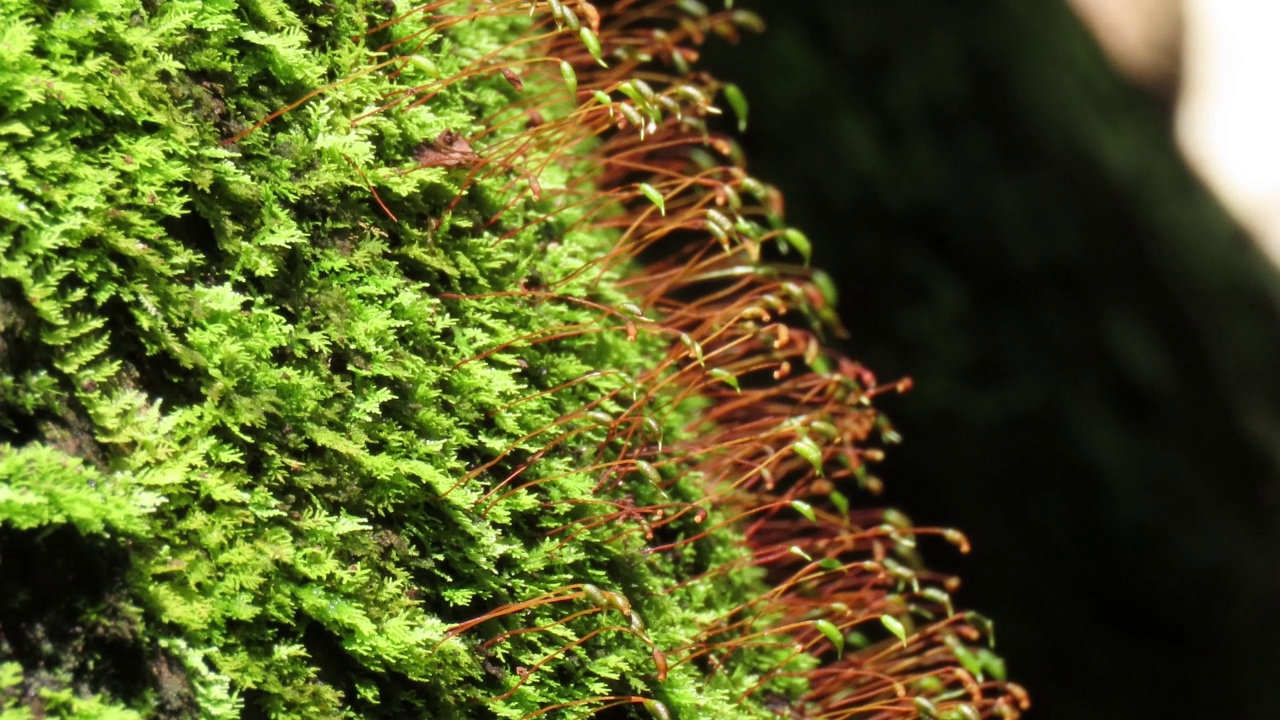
[{"x": 360, "y": 359}]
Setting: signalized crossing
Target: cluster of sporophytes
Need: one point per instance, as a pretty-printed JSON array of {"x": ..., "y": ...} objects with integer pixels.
[{"x": 359, "y": 360}]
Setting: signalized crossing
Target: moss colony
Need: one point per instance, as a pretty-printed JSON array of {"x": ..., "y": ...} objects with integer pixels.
[{"x": 361, "y": 360}]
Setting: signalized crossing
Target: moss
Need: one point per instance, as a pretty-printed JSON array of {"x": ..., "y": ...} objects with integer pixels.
[
  {"x": 260, "y": 369},
  {"x": 322, "y": 390}
]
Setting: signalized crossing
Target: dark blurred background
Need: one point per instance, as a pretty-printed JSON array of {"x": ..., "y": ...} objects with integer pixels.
[{"x": 1095, "y": 344}]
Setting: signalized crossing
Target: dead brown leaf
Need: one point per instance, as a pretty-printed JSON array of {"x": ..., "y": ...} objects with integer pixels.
[{"x": 449, "y": 149}]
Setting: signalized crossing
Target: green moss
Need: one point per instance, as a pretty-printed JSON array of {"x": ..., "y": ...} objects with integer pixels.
[{"x": 226, "y": 369}]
